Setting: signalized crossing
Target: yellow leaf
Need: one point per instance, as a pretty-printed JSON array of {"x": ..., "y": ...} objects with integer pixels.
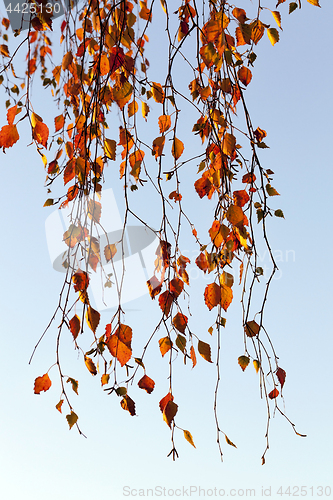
[
  {"x": 177, "y": 148},
  {"x": 90, "y": 365},
  {"x": 188, "y": 437},
  {"x": 277, "y": 17},
  {"x": 105, "y": 378},
  {"x": 229, "y": 442},
  {"x": 158, "y": 92},
  {"x": 110, "y": 251},
  {"x": 132, "y": 108},
  {"x": 163, "y": 4},
  {"x": 256, "y": 365},
  {"x": 228, "y": 144},
  {"x": 145, "y": 110},
  {"x": 314, "y": 2},
  {"x": 110, "y": 148},
  {"x": 92, "y": 317},
  {"x": 273, "y": 35}
]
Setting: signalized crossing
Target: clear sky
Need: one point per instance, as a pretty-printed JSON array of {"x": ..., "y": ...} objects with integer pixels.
[{"x": 290, "y": 97}]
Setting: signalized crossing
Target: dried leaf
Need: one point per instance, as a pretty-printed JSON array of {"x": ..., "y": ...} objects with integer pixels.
[
  {"x": 59, "y": 405},
  {"x": 251, "y": 328},
  {"x": 110, "y": 251},
  {"x": 176, "y": 287},
  {"x": 154, "y": 286},
  {"x": 229, "y": 442},
  {"x": 42, "y": 384},
  {"x": 271, "y": 191},
  {"x": 75, "y": 384},
  {"x": 72, "y": 418},
  {"x": 180, "y": 322},
  {"x": 164, "y": 401},
  {"x": 204, "y": 350},
  {"x": 165, "y": 345},
  {"x": 147, "y": 384},
  {"x": 177, "y": 148},
  {"x": 165, "y": 300},
  {"x": 281, "y": 375},
  {"x": 128, "y": 404},
  {"x": 273, "y": 394},
  {"x": 92, "y": 318},
  {"x": 243, "y": 361},
  {"x": 158, "y": 92},
  {"x": 170, "y": 412},
  {"x": 75, "y": 326}
]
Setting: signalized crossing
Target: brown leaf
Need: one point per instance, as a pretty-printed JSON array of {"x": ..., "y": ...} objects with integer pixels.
[
  {"x": 80, "y": 280},
  {"x": 158, "y": 92},
  {"x": 243, "y": 361},
  {"x": 170, "y": 412},
  {"x": 235, "y": 215},
  {"x": 92, "y": 317},
  {"x": 42, "y": 384},
  {"x": 59, "y": 405},
  {"x": 154, "y": 286},
  {"x": 164, "y": 401},
  {"x": 241, "y": 197},
  {"x": 147, "y": 384},
  {"x": 251, "y": 328},
  {"x": 176, "y": 287},
  {"x": 158, "y": 146},
  {"x": 273, "y": 394},
  {"x": 165, "y": 300},
  {"x": 245, "y": 75},
  {"x": 90, "y": 365},
  {"x": 229, "y": 442},
  {"x": 204, "y": 350},
  {"x": 128, "y": 404},
  {"x": 110, "y": 251},
  {"x": 180, "y": 322},
  {"x": 281, "y": 375}
]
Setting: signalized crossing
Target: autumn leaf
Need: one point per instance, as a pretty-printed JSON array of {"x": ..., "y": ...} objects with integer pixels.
[
  {"x": 92, "y": 318},
  {"x": 164, "y": 401},
  {"x": 40, "y": 133},
  {"x": 128, "y": 404},
  {"x": 147, "y": 384},
  {"x": 158, "y": 92},
  {"x": 42, "y": 384},
  {"x": 189, "y": 438},
  {"x": 59, "y": 405},
  {"x": 154, "y": 286},
  {"x": 59, "y": 122},
  {"x": 228, "y": 144},
  {"x": 177, "y": 148},
  {"x": 72, "y": 418},
  {"x": 314, "y": 2},
  {"x": 66, "y": 60},
  {"x": 105, "y": 379},
  {"x": 90, "y": 365},
  {"x": 212, "y": 295},
  {"x": 245, "y": 75},
  {"x": 243, "y": 361},
  {"x": 226, "y": 296},
  {"x": 80, "y": 280},
  {"x": 165, "y": 300},
  {"x": 94, "y": 210},
  {"x": 176, "y": 286},
  {"x": 8, "y": 136},
  {"x": 241, "y": 198},
  {"x": 110, "y": 148},
  {"x": 158, "y": 146},
  {"x": 180, "y": 322},
  {"x": 75, "y": 384},
  {"x": 75, "y": 326},
  {"x": 193, "y": 356},
  {"x": 164, "y": 123},
  {"x": 110, "y": 251},
  {"x": 251, "y": 328},
  {"x": 277, "y": 17},
  {"x": 11, "y": 114},
  {"x": 119, "y": 344},
  {"x": 281, "y": 375},
  {"x": 273, "y": 394},
  {"x": 204, "y": 350},
  {"x": 271, "y": 191},
  {"x": 256, "y": 365},
  {"x": 229, "y": 442},
  {"x": 273, "y": 35},
  {"x": 165, "y": 345},
  {"x": 235, "y": 215},
  {"x": 132, "y": 108},
  {"x": 170, "y": 412}
]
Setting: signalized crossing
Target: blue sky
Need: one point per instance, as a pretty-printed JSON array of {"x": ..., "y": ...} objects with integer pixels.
[{"x": 290, "y": 97}]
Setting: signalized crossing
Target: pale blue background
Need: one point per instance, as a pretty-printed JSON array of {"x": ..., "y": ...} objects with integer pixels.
[{"x": 40, "y": 459}]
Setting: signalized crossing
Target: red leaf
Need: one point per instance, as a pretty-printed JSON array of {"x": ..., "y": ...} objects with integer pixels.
[
  {"x": 75, "y": 326},
  {"x": 81, "y": 281},
  {"x": 281, "y": 375},
  {"x": 164, "y": 401},
  {"x": 180, "y": 322},
  {"x": 176, "y": 287},
  {"x": 273, "y": 394},
  {"x": 165, "y": 301},
  {"x": 42, "y": 384}
]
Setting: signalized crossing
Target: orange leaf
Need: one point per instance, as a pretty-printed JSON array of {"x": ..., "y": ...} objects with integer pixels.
[
  {"x": 75, "y": 326},
  {"x": 90, "y": 365},
  {"x": 204, "y": 350},
  {"x": 132, "y": 108},
  {"x": 241, "y": 197},
  {"x": 69, "y": 172},
  {"x": 66, "y": 60},
  {"x": 8, "y": 136},
  {"x": 59, "y": 405},
  {"x": 41, "y": 133},
  {"x": 226, "y": 296},
  {"x": 42, "y": 384},
  {"x": 165, "y": 345},
  {"x": 80, "y": 280},
  {"x": 92, "y": 317},
  {"x": 165, "y": 301},
  {"x": 59, "y": 122},
  {"x": 158, "y": 92},
  {"x": 104, "y": 65},
  {"x": 228, "y": 144},
  {"x": 147, "y": 384},
  {"x": 169, "y": 412},
  {"x": 245, "y": 75},
  {"x": 193, "y": 356},
  {"x": 201, "y": 262},
  {"x": 158, "y": 146},
  {"x": 119, "y": 344},
  {"x": 235, "y": 215},
  {"x": 128, "y": 404},
  {"x": 11, "y": 113},
  {"x": 176, "y": 287},
  {"x": 248, "y": 178},
  {"x": 212, "y": 295},
  {"x": 273, "y": 394},
  {"x": 94, "y": 210},
  {"x": 164, "y": 401},
  {"x": 164, "y": 123},
  {"x": 180, "y": 322},
  {"x": 177, "y": 148}
]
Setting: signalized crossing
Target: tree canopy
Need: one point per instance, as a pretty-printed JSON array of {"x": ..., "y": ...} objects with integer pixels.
[{"x": 104, "y": 97}]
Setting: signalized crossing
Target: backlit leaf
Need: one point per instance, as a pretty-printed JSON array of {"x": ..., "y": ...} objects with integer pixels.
[
  {"x": 158, "y": 146},
  {"x": 110, "y": 251},
  {"x": 41, "y": 133},
  {"x": 72, "y": 418},
  {"x": 235, "y": 215},
  {"x": 251, "y": 328},
  {"x": 110, "y": 148},
  {"x": 105, "y": 379},
  {"x": 147, "y": 384},
  {"x": 128, "y": 404},
  {"x": 229, "y": 442},
  {"x": 119, "y": 344},
  {"x": 226, "y": 296},
  {"x": 75, "y": 326},
  {"x": 164, "y": 401},
  {"x": 8, "y": 136},
  {"x": 212, "y": 295},
  {"x": 228, "y": 144},
  {"x": 75, "y": 384},
  {"x": 154, "y": 286},
  {"x": 245, "y": 75},
  {"x": 256, "y": 365},
  {"x": 193, "y": 356},
  {"x": 314, "y": 2},
  {"x": 177, "y": 148},
  {"x": 42, "y": 384},
  {"x": 164, "y": 123},
  {"x": 189, "y": 438},
  {"x": 59, "y": 405},
  {"x": 273, "y": 394},
  {"x": 165, "y": 345},
  {"x": 158, "y": 92},
  {"x": 92, "y": 318},
  {"x": 165, "y": 300},
  {"x": 181, "y": 343},
  {"x": 176, "y": 287},
  {"x": 90, "y": 365},
  {"x": 170, "y": 412},
  {"x": 273, "y": 35},
  {"x": 180, "y": 322},
  {"x": 132, "y": 108},
  {"x": 277, "y": 17},
  {"x": 59, "y": 122},
  {"x": 80, "y": 280},
  {"x": 204, "y": 350},
  {"x": 243, "y": 361},
  {"x": 94, "y": 210}
]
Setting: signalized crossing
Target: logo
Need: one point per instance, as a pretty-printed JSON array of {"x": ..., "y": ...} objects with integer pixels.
[
  {"x": 21, "y": 13},
  {"x": 131, "y": 266}
]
